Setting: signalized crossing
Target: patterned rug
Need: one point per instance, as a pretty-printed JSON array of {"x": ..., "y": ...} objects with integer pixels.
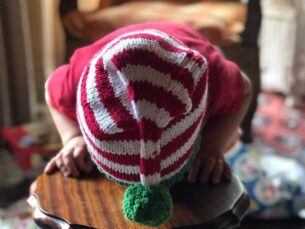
[
  {"x": 280, "y": 127},
  {"x": 17, "y": 216},
  {"x": 273, "y": 166}
]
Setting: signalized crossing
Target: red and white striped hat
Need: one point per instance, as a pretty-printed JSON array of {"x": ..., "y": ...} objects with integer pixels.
[{"x": 140, "y": 105}]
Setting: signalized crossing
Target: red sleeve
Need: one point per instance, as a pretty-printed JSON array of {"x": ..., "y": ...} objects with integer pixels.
[
  {"x": 225, "y": 81},
  {"x": 63, "y": 82},
  {"x": 62, "y": 91},
  {"x": 226, "y": 86}
]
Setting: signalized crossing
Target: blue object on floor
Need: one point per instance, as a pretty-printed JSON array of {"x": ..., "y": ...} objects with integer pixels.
[{"x": 275, "y": 183}]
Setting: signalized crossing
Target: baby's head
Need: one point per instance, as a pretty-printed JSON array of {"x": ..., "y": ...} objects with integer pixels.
[{"x": 140, "y": 105}]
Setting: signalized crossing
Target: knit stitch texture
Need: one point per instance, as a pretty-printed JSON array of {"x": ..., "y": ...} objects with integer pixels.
[{"x": 140, "y": 106}]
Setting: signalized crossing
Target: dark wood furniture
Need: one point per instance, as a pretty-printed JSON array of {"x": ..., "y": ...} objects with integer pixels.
[
  {"x": 95, "y": 202},
  {"x": 246, "y": 55}
]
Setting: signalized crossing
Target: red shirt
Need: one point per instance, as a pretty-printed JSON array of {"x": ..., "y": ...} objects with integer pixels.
[{"x": 226, "y": 86}]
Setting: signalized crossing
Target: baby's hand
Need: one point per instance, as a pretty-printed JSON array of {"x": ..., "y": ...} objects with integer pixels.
[
  {"x": 71, "y": 159},
  {"x": 209, "y": 167}
]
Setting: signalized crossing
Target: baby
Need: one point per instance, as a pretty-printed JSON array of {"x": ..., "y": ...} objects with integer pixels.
[{"x": 146, "y": 104}]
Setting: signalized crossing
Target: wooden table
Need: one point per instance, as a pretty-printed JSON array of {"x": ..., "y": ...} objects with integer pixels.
[{"x": 93, "y": 201}]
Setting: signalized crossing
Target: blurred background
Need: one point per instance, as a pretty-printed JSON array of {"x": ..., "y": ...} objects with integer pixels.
[{"x": 264, "y": 37}]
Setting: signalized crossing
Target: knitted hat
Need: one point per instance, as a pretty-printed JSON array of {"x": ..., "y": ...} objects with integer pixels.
[{"x": 140, "y": 104}]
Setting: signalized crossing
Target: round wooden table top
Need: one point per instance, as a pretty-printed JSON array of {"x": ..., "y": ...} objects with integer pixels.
[{"x": 95, "y": 202}]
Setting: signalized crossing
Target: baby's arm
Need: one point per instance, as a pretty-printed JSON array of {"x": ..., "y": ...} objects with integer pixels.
[
  {"x": 73, "y": 157},
  {"x": 219, "y": 129}
]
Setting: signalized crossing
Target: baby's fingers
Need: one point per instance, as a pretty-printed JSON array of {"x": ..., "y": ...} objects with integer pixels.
[
  {"x": 194, "y": 171},
  {"x": 81, "y": 161},
  {"x": 68, "y": 167},
  {"x": 218, "y": 170},
  {"x": 227, "y": 171},
  {"x": 207, "y": 170},
  {"x": 51, "y": 166}
]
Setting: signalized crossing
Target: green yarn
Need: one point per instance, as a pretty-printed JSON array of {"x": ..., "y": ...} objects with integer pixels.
[
  {"x": 110, "y": 177},
  {"x": 151, "y": 205},
  {"x": 171, "y": 181},
  {"x": 180, "y": 175}
]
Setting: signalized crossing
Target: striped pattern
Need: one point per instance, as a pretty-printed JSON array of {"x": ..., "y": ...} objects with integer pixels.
[{"x": 140, "y": 106}]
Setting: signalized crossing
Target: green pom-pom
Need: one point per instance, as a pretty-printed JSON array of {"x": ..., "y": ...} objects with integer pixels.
[{"x": 150, "y": 205}]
